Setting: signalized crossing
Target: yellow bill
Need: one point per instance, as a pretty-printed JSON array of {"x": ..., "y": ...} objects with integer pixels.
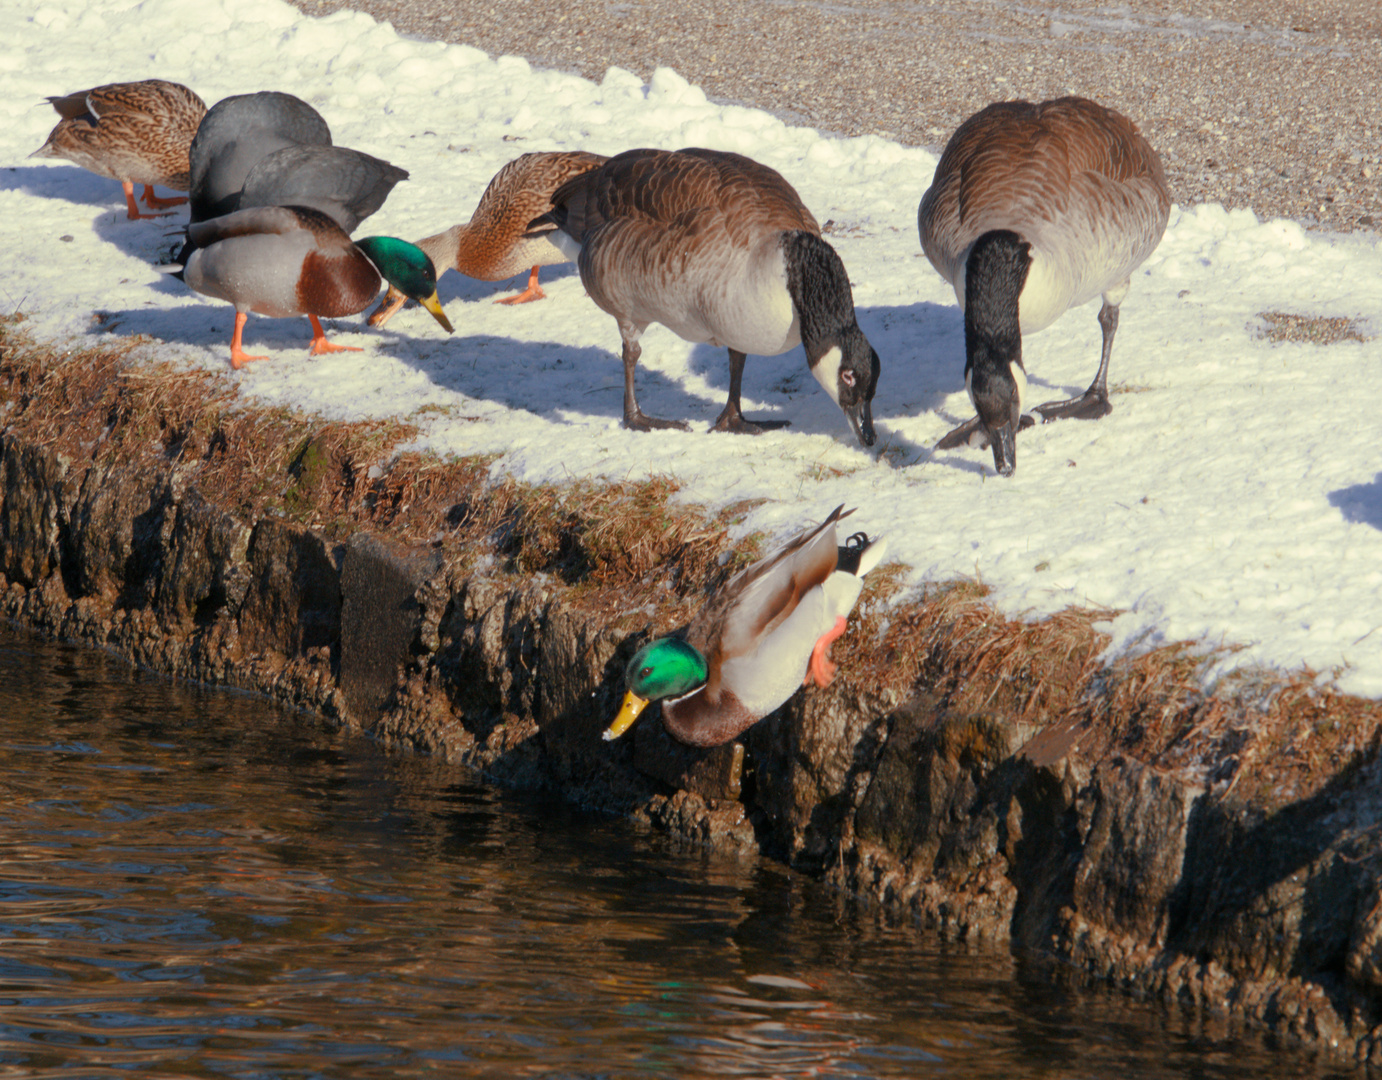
[
  {"x": 628, "y": 713},
  {"x": 433, "y": 305}
]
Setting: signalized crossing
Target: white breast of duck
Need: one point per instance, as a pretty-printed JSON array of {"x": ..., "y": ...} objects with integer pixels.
[
  {"x": 255, "y": 273},
  {"x": 773, "y": 672}
]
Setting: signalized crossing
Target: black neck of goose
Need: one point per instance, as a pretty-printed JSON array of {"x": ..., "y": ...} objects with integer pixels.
[
  {"x": 995, "y": 273},
  {"x": 819, "y": 288}
]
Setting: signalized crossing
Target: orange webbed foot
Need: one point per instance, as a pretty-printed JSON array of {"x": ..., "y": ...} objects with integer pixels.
[
  {"x": 821, "y": 669},
  {"x": 159, "y": 202},
  {"x": 133, "y": 206},
  {"x": 238, "y": 357},
  {"x": 319, "y": 343},
  {"x": 531, "y": 293}
]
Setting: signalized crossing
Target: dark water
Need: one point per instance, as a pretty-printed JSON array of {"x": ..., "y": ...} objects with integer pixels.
[{"x": 198, "y": 884}]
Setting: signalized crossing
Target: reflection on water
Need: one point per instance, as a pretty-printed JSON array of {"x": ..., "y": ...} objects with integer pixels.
[{"x": 198, "y": 884}]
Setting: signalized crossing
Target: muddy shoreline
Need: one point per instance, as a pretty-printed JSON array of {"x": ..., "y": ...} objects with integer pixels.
[{"x": 989, "y": 778}]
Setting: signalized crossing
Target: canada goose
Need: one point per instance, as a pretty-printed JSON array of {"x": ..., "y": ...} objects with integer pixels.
[
  {"x": 135, "y": 132},
  {"x": 717, "y": 248},
  {"x": 493, "y": 245},
  {"x": 1035, "y": 209},
  {"x": 757, "y": 639}
]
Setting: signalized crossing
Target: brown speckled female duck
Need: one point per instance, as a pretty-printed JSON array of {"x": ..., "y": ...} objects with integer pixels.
[
  {"x": 283, "y": 261},
  {"x": 493, "y": 245},
  {"x": 721, "y": 249},
  {"x": 135, "y": 132},
  {"x": 1035, "y": 209}
]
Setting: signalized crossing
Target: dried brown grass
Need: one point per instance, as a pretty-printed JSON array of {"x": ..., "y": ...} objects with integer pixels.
[{"x": 623, "y": 545}]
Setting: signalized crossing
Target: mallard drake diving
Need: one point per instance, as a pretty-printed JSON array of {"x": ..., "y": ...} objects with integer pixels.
[
  {"x": 1035, "y": 209},
  {"x": 294, "y": 260},
  {"x": 717, "y": 248},
  {"x": 762, "y": 635},
  {"x": 493, "y": 245},
  {"x": 135, "y": 132}
]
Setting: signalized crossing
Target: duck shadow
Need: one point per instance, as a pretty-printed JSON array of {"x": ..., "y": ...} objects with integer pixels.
[
  {"x": 148, "y": 240},
  {"x": 66, "y": 183},
  {"x": 545, "y": 378},
  {"x": 453, "y": 285},
  {"x": 1361, "y": 503}
]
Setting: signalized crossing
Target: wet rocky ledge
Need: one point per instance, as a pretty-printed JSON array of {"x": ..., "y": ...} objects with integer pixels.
[{"x": 988, "y": 778}]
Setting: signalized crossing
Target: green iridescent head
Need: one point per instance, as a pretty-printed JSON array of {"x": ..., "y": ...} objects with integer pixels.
[
  {"x": 407, "y": 268},
  {"x": 665, "y": 668}
]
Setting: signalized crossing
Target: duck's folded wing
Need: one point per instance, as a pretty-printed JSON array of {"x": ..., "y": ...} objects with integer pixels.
[
  {"x": 756, "y": 602},
  {"x": 256, "y": 220}
]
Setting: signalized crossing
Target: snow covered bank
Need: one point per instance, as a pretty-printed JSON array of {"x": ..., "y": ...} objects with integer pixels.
[{"x": 1233, "y": 496}]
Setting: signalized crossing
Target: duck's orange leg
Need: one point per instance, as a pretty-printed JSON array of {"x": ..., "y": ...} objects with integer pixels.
[
  {"x": 532, "y": 292},
  {"x": 821, "y": 668},
  {"x": 158, "y": 202},
  {"x": 238, "y": 356},
  {"x": 321, "y": 345},
  {"x": 135, "y": 215}
]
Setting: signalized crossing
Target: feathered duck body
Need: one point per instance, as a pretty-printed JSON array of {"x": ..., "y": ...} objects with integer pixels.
[
  {"x": 283, "y": 261},
  {"x": 1069, "y": 188},
  {"x": 719, "y": 249},
  {"x": 493, "y": 245},
  {"x": 135, "y": 132},
  {"x": 755, "y": 641},
  {"x": 237, "y": 133}
]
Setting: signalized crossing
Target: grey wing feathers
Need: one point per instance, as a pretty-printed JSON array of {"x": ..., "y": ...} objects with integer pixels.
[
  {"x": 254, "y": 220},
  {"x": 346, "y": 184},
  {"x": 236, "y": 133}
]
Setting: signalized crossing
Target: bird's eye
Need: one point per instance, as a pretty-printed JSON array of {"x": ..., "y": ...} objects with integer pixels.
[
  {"x": 847, "y": 377},
  {"x": 645, "y": 673}
]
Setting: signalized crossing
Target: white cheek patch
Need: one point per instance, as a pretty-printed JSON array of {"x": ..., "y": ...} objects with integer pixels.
[
  {"x": 827, "y": 372},
  {"x": 1019, "y": 377}
]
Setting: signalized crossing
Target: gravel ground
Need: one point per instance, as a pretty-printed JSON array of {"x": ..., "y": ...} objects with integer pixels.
[{"x": 1270, "y": 104}]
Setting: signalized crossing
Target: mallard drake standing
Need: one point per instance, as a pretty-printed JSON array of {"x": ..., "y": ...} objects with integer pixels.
[
  {"x": 762, "y": 635},
  {"x": 294, "y": 260},
  {"x": 135, "y": 132},
  {"x": 493, "y": 245},
  {"x": 721, "y": 249},
  {"x": 1035, "y": 209}
]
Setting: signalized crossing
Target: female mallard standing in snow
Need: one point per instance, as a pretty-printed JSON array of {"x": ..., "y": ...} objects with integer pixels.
[
  {"x": 717, "y": 248},
  {"x": 765, "y": 633},
  {"x": 293, "y": 260},
  {"x": 1050, "y": 205},
  {"x": 493, "y": 245},
  {"x": 136, "y": 132}
]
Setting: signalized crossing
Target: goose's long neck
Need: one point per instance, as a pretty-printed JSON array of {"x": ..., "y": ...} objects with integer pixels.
[
  {"x": 995, "y": 272},
  {"x": 819, "y": 288}
]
